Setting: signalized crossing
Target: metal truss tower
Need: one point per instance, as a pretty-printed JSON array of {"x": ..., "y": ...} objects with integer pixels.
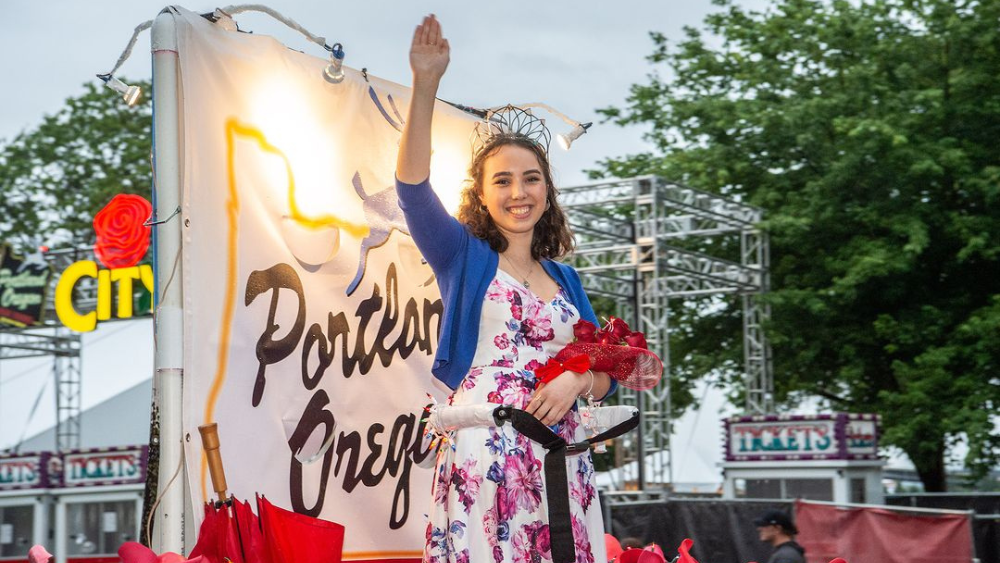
[
  {"x": 62, "y": 344},
  {"x": 624, "y": 230}
]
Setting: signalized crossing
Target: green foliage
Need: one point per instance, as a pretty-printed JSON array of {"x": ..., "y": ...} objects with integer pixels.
[
  {"x": 868, "y": 133},
  {"x": 57, "y": 176}
]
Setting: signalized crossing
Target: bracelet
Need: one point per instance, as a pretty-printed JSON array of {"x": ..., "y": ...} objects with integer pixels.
[{"x": 589, "y": 394}]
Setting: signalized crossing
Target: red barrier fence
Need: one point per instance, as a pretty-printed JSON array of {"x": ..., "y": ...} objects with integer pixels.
[{"x": 879, "y": 535}]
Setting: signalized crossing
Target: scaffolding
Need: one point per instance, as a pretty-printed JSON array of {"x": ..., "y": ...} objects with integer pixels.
[
  {"x": 624, "y": 230},
  {"x": 51, "y": 339}
]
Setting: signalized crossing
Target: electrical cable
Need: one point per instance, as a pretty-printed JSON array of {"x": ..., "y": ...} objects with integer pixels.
[
  {"x": 229, "y": 10},
  {"x": 31, "y": 415},
  {"x": 545, "y": 107},
  {"x": 565, "y": 140},
  {"x": 240, "y": 8},
  {"x": 159, "y": 497},
  {"x": 128, "y": 50}
]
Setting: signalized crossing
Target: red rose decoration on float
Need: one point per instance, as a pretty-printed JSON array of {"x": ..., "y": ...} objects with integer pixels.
[
  {"x": 614, "y": 349},
  {"x": 122, "y": 236},
  {"x": 584, "y": 331},
  {"x": 637, "y": 340}
]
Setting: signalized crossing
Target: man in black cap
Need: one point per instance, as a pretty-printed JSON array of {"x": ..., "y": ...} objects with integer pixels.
[{"x": 776, "y": 528}]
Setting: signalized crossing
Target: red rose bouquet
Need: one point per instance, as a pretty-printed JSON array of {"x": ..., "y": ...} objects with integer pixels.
[{"x": 614, "y": 349}]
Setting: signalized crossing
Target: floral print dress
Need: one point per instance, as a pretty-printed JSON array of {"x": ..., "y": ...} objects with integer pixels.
[{"x": 489, "y": 500}]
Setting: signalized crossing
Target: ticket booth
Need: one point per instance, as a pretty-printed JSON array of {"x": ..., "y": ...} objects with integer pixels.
[
  {"x": 826, "y": 457},
  {"x": 25, "y": 516},
  {"x": 99, "y": 503}
]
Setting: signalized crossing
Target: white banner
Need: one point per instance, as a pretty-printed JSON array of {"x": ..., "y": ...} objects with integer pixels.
[{"x": 310, "y": 319}]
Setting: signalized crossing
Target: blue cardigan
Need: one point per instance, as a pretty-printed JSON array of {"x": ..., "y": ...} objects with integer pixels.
[{"x": 464, "y": 266}]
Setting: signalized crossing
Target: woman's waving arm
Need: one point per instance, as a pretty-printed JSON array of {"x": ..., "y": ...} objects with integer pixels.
[{"x": 429, "y": 55}]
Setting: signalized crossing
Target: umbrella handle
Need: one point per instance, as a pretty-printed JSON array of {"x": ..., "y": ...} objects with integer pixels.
[{"x": 210, "y": 442}]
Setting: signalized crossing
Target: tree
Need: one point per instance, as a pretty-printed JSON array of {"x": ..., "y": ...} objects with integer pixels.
[
  {"x": 868, "y": 133},
  {"x": 57, "y": 176}
]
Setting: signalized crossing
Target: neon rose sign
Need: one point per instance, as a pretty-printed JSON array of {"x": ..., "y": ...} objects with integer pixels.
[{"x": 122, "y": 242}]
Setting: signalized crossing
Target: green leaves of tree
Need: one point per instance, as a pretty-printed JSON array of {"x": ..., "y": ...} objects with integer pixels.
[
  {"x": 55, "y": 177},
  {"x": 868, "y": 132}
]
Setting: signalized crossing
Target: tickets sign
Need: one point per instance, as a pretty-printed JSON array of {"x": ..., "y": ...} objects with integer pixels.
[
  {"x": 108, "y": 466},
  {"x": 24, "y": 471},
  {"x": 802, "y": 437}
]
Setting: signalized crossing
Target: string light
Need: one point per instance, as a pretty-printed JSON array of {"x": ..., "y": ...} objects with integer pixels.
[
  {"x": 566, "y": 139},
  {"x": 224, "y": 18},
  {"x": 129, "y": 93},
  {"x": 334, "y": 72}
]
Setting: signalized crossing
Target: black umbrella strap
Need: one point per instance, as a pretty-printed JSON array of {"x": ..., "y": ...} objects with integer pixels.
[{"x": 556, "y": 482}]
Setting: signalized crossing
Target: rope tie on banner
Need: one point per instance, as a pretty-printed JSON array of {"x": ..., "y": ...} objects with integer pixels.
[{"x": 556, "y": 485}]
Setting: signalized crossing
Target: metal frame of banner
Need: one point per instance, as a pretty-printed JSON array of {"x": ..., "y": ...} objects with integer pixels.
[{"x": 168, "y": 333}]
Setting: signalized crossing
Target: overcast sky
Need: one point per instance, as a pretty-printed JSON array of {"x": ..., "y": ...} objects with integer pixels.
[{"x": 575, "y": 56}]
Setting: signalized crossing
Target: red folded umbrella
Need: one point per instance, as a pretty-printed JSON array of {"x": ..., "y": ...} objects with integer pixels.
[
  {"x": 231, "y": 532},
  {"x": 291, "y": 537},
  {"x": 219, "y": 538},
  {"x": 248, "y": 528}
]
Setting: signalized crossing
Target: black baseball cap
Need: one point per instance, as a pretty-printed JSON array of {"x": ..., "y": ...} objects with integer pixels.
[{"x": 776, "y": 518}]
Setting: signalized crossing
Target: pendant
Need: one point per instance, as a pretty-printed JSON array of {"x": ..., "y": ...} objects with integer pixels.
[{"x": 526, "y": 284}]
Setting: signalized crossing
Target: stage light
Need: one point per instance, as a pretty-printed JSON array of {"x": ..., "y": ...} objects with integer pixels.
[
  {"x": 129, "y": 93},
  {"x": 334, "y": 72},
  {"x": 566, "y": 139}
]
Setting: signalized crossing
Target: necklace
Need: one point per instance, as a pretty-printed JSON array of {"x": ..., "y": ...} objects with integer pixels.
[{"x": 524, "y": 278}]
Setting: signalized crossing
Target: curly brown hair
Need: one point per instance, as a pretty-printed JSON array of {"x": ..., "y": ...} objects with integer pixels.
[{"x": 552, "y": 238}]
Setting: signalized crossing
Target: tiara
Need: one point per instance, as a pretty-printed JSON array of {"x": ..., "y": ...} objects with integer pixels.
[
  {"x": 510, "y": 121},
  {"x": 518, "y": 122}
]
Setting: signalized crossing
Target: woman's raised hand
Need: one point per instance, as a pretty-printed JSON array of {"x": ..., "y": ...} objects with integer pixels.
[{"x": 429, "y": 52}]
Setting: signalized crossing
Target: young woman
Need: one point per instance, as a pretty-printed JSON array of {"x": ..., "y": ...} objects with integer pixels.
[{"x": 508, "y": 308}]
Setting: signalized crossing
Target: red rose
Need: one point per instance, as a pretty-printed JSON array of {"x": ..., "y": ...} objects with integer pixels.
[
  {"x": 637, "y": 340},
  {"x": 618, "y": 328},
  {"x": 584, "y": 331},
  {"x": 607, "y": 339},
  {"x": 122, "y": 238}
]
